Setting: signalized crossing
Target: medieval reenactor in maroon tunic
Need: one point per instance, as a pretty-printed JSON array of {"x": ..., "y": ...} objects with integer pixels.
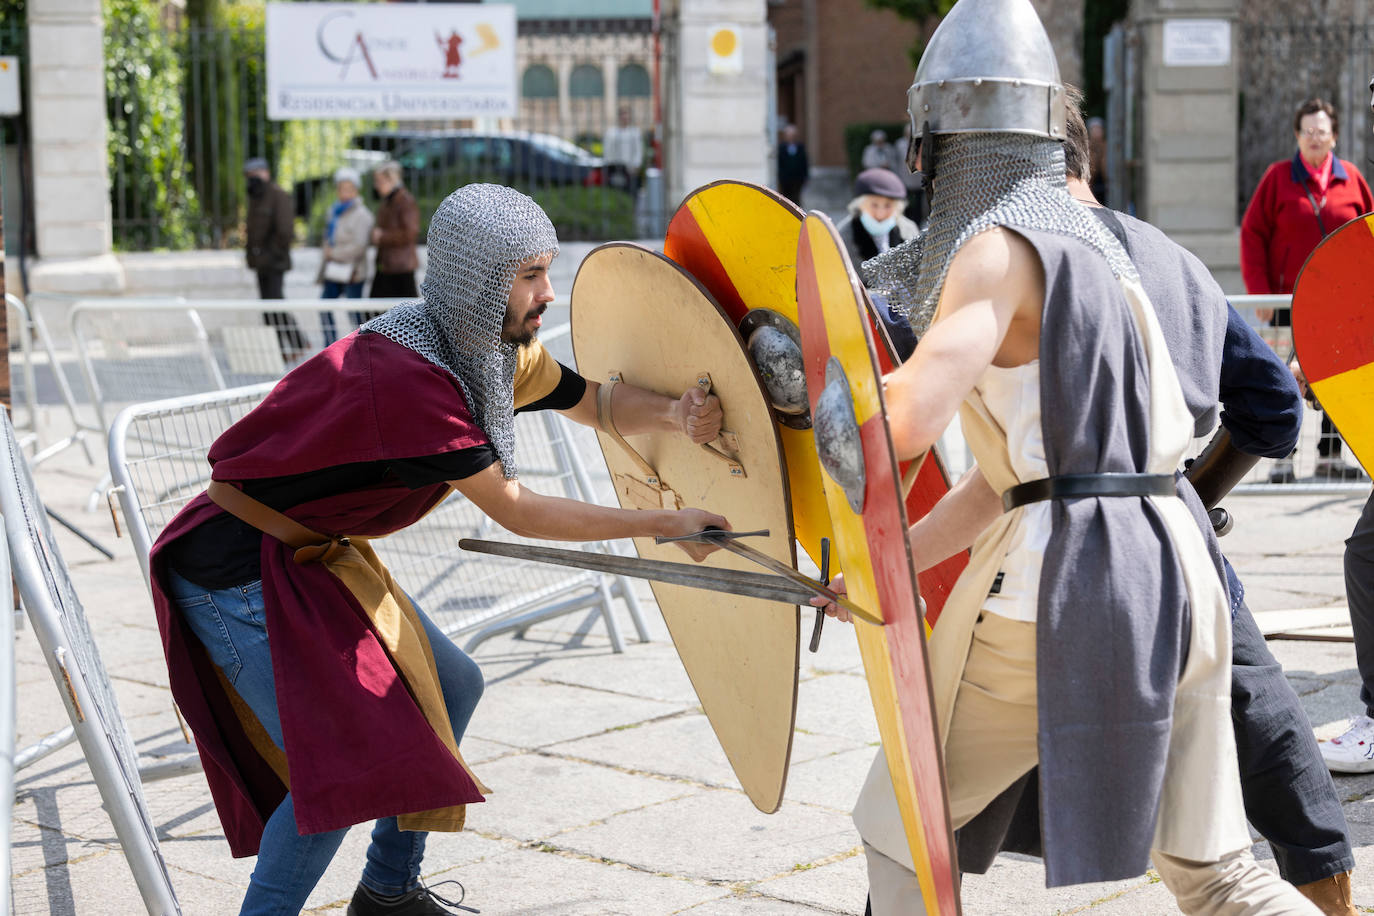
[{"x": 319, "y": 694}]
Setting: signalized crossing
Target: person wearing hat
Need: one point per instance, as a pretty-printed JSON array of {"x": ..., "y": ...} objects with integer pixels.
[
  {"x": 343, "y": 264},
  {"x": 267, "y": 244},
  {"x": 875, "y": 222}
]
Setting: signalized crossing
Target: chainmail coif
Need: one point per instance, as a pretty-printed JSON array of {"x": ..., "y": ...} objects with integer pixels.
[
  {"x": 985, "y": 180},
  {"x": 477, "y": 238}
]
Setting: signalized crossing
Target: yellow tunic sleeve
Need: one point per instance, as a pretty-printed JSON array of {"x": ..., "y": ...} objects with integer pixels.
[{"x": 536, "y": 374}]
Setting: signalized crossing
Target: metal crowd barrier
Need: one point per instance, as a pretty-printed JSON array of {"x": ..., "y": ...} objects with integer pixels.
[
  {"x": 30, "y": 330},
  {"x": 138, "y": 350},
  {"x": 157, "y": 459},
  {"x": 8, "y": 708},
  {"x": 60, "y": 627}
]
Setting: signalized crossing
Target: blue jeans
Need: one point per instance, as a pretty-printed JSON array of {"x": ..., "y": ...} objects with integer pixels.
[
  {"x": 230, "y": 623},
  {"x": 333, "y": 290}
]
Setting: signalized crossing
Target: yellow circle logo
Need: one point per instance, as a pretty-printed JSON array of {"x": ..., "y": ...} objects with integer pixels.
[{"x": 723, "y": 42}]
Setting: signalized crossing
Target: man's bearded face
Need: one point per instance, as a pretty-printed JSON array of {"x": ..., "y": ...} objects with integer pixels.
[{"x": 530, "y": 295}]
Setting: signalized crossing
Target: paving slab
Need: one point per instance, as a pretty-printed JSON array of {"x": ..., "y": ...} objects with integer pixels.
[
  {"x": 840, "y": 886},
  {"x": 837, "y": 705},
  {"x": 587, "y": 794},
  {"x": 538, "y": 715},
  {"x": 532, "y": 882},
  {"x": 684, "y": 747},
  {"x": 717, "y": 835}
]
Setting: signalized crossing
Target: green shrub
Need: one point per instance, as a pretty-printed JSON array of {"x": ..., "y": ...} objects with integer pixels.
[
  {"x": 153, "y": 203},
  {"x": 577, "y": 213}
]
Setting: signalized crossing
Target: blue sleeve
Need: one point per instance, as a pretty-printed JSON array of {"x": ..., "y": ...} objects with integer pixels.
[
  {"x": 898, "y": 328},
  {"x": 1260, "y": 403}
]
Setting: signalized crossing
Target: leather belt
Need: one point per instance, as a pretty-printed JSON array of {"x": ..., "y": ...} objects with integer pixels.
[
  {"x": 311, "y": 547},
  {"x": 1080, "y": 486}
]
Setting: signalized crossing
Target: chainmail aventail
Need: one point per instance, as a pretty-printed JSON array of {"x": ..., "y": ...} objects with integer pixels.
[{"x": 477, "y": 238}]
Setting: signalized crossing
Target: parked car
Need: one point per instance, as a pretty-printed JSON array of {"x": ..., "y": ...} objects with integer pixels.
[{"x": 453, "y": 157}]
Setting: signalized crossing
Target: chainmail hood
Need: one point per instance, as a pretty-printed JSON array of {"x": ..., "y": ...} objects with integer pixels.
[
  {"x": 985, "y": 180},
  {"x": 477, "y": 238}
]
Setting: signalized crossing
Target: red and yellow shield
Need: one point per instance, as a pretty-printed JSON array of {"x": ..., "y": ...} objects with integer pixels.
[
  {"x": 739, "y": 240},
  {"x": 1333, "y": 331},
  {"x": 866, "y": 507}
]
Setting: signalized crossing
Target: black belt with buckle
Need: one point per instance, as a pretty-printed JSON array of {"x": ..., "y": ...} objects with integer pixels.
[{"x": 1080, "y": 486}]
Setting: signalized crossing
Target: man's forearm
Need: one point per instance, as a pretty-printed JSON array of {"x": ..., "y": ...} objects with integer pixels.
[
  {"x": 956, "y": 520},
  {"x": 639, "y": 411}
]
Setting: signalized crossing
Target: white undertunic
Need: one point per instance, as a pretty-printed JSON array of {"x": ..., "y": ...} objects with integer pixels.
[{"x": 1012, "y": 397}]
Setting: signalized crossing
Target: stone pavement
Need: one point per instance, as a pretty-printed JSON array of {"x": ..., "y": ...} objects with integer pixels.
[{"x": 611, "y": 794}]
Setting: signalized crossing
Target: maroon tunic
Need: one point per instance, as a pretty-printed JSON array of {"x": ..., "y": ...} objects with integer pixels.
[{"x": 358, "y": 746}]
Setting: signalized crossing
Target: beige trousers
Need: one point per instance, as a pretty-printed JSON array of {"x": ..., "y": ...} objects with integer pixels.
[{"x": 992, "y": 743}]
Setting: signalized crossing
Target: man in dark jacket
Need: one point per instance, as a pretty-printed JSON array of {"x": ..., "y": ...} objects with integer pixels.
[
  {"x": 270, "y": 227},
  {"x": 793, "y": 166}
]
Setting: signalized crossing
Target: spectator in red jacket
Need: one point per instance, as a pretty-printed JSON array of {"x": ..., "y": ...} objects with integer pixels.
[{"x": 1297, "y": 204}]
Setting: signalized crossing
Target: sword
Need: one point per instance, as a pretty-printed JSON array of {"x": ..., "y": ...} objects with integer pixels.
[{"x": 791, "y": 589}]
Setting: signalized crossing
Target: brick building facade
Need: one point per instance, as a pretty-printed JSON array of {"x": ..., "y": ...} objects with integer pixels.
[{"x": 842, "y": 62}]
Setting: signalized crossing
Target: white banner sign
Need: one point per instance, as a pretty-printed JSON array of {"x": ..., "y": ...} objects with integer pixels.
[{"x": 328, "y": 61}]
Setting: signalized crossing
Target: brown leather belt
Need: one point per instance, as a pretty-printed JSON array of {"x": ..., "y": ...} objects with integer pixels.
[{"x": 311, "y": 547}]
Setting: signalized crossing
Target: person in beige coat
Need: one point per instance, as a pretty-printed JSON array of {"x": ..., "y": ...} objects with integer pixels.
[{"x": 343, "y": 261}]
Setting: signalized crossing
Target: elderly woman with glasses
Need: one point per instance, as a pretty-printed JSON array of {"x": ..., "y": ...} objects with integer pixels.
[{"x": 1299, "y": 202}]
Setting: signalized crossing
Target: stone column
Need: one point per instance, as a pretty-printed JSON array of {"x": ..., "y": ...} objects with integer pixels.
[
  {"x": 1187, "y": 138},
  {"x": 719, "y": 117},
  {"x": 67, "y": 98},
  {"x": 610, "y": 72}
]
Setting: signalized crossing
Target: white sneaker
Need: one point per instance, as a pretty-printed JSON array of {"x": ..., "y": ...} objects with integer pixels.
[{"x": 1352, "y": 752}]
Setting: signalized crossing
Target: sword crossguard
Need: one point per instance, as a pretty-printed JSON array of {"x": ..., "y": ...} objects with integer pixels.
[{"x": 820, "y": 612}]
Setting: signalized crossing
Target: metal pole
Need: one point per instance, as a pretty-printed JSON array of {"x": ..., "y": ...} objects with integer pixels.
[{"x": 4, "y": 314}]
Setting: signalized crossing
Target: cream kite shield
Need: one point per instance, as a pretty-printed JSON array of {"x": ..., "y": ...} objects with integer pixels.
[{"x": 639, "y": 318}]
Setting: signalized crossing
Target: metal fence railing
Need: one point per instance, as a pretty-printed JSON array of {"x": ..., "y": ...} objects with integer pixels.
[
  {"x": 36, "y": 378},
  {"x": 1307, "y": 470},
  {"x": 187, "y": 106},
  {"x": 60, "y": 627},
  {"x": 157, "y": 460}
]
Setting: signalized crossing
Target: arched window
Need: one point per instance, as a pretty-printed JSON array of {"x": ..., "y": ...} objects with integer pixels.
[
  {"x": 586, "y": 82},
  {"x": 539, "y": 83},
  {"x": 632, "y": 81}
]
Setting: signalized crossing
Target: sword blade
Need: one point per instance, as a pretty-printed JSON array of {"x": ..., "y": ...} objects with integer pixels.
[
  {"x": 784, "y": 571},
  {"x": 727, "y": 581}
]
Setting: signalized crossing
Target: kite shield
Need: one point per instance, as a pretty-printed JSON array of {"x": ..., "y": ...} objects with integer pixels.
[
  {"x": 639, "y": 318},
  {"x": 1333, "y": 331},
  {"x": 865, "y": 500},
  {"x": 739, "y": 240}
]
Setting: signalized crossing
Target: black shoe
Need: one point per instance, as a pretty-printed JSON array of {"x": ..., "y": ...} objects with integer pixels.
[{"x": 419, "y": 902}]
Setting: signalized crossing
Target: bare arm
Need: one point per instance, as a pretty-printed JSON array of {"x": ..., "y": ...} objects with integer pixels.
[
  {"x": 955, "y": 521},
  {"x": 696, "y": 414},
  {"x": 989, "y": 311},
  {"x": 529, "y": 514},
  {"x": 951, "y": 526}
]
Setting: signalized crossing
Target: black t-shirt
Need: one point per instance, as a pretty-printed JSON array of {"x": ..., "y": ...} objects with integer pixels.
[{"x": 225, "y": 551}]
